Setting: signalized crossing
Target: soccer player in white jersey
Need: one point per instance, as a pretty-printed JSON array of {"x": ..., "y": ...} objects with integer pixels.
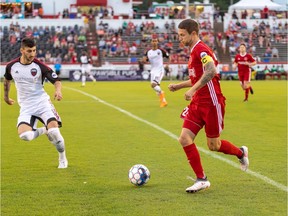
[
  {"x": 35, "y": 104},
  {"x": 155, "y": 57},
  {"x": 86, "y": 68}
]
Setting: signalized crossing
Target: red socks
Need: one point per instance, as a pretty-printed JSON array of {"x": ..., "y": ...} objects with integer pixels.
[
  {"x": 247, "y": 93},
  {"x": 193, "y": 157},
  {"x": 228, "y": 148}
]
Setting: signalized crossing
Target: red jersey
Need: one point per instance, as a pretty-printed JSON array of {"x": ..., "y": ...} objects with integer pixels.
[
  {"x": 241, "y": 59},
  {"x": 211, "y": 92}
]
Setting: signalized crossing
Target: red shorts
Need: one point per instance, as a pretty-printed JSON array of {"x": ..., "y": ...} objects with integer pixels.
[
  {"x": 197, "y": 116},
  {"x": 244, "y": 76}
]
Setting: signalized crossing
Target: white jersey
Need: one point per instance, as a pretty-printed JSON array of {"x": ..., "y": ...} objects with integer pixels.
[
  {"x": 155, "y": 57},
  {"x": 29, "y": 81},
  {"x": 84, "y": 59}
]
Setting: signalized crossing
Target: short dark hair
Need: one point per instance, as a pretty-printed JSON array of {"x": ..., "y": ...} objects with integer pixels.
[
  {"x": 243, "y": 44},
  {"x": 189, "y": 25},
  {"x": 28, "y": 42}
]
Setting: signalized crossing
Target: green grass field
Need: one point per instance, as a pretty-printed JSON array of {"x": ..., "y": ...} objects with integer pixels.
[{"x": 110, "y": 126}]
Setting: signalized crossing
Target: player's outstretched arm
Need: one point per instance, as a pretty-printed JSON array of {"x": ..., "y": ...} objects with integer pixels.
[
  {"x": 174, "y": 87},
  {"x": 6, "y": 92},
  {"x": 58, "y": 92}
]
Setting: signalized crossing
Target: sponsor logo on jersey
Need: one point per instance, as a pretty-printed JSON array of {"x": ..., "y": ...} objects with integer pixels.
[
  {"x": 33, "y": 71},
  {"x": 191, "y": 72},
  {"x": 54, "y": 75},
  {"x": 202, "y": 54}
]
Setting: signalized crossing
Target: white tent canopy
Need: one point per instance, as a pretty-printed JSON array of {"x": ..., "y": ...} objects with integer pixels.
[{"x": 254, "y": 5}]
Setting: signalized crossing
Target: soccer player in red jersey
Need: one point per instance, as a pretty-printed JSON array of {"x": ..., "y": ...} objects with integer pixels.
[
  {"x": 207, "y": 105},
  {"x": 244, "y": 61}
]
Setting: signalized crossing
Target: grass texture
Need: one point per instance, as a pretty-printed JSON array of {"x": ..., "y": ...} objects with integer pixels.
[{"x": 110, "y": 126}]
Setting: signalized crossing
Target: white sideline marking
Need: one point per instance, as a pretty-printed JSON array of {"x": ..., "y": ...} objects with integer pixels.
[{"x": 210, "y": 153}]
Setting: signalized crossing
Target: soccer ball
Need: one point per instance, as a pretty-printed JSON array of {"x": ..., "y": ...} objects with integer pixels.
[{"x": 139, "y": 174}]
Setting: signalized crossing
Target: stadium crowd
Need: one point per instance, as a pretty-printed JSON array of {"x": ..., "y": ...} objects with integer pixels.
[{"x": 64, "y": 44}]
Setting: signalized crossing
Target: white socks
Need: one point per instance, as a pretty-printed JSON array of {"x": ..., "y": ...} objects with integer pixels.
[
  {"x": 157, "y": 88},
  {"x": 83, "y": 80},
  {"x": 56, "y": 138}
]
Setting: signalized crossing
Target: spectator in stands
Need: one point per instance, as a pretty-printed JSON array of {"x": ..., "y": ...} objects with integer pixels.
[
  {"x": 36, "y": 34},
  {"x": 167, "y": 71},
  {"x": 266, "y": 70},
  {"x": 232, "y": 49},
  {"x": 133, "y": 49},
  {"x": 73, "y": 58},
  {"x": 70, "y": 39},
  {"x": 275, "y": 53},
  {"x": 63, "y": 42},
  {"x": 266, "y": 12},
  {"x": 244, "y": 14},
  {"x": 94, "y": 54},
  {"x": 82, "y": 39},
  {"x": 281, "y": 69},
  {"x": 259, "y": 70},
  {"x": 41, "y": 55},
  {"x": 66, "y": 58},
  {"x": 261, "y": 40},
  {"x": 40, "y": 12},
  {"x": 274, "y": 69},
  {"x": 243, "y": 25},
  {"x": 56, "y": 43},
  {"x": 253, "y": 49},
  {"x": 268, "y": 52},
  {"x": 48, "y": 56},
  {"x": 223, "y": 44},
  {"x": 179, "y": 75},
  {"x": 234, "y": 15}
]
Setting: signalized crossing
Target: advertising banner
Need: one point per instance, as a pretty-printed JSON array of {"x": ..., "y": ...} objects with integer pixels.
[{"x": 111, "y": 75}]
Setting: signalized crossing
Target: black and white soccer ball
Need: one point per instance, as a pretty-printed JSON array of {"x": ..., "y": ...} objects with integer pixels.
[{"x": 139, "y": 175}]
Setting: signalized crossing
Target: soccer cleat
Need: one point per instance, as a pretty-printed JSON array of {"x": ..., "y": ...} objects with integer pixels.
[
  {"x": 251, "y": 90},
  {"x": 244, "y": 161},
  {"x": 200, "y": 184},
  {"x": 245, "y": 100},
  {"x": 63, "y": 164},
  {"x": 163, "y": 103}
]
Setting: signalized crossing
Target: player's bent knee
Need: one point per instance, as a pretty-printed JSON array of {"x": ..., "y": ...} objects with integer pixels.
[
  {"x": 27, "y": 136},
  {"x": 153, "y": 85},
  {"x": 213, "y": 145},
  {"x": 184, "y": 140}
]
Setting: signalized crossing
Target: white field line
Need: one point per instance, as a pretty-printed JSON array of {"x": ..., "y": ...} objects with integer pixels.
[{"x": 210, "y": 153}]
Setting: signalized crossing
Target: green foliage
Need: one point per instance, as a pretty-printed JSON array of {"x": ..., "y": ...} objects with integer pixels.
[{"x": 103, "y": 143}]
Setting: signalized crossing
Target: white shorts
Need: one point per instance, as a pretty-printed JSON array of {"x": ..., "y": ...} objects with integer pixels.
[
  {"x": 44, "y": 112},
  {"x": 157, "y": 76},
  {"x": 86, "y": 68}
]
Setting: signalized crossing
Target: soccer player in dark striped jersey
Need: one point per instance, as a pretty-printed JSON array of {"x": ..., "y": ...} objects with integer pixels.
[{"x": 35, "y": 104}]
